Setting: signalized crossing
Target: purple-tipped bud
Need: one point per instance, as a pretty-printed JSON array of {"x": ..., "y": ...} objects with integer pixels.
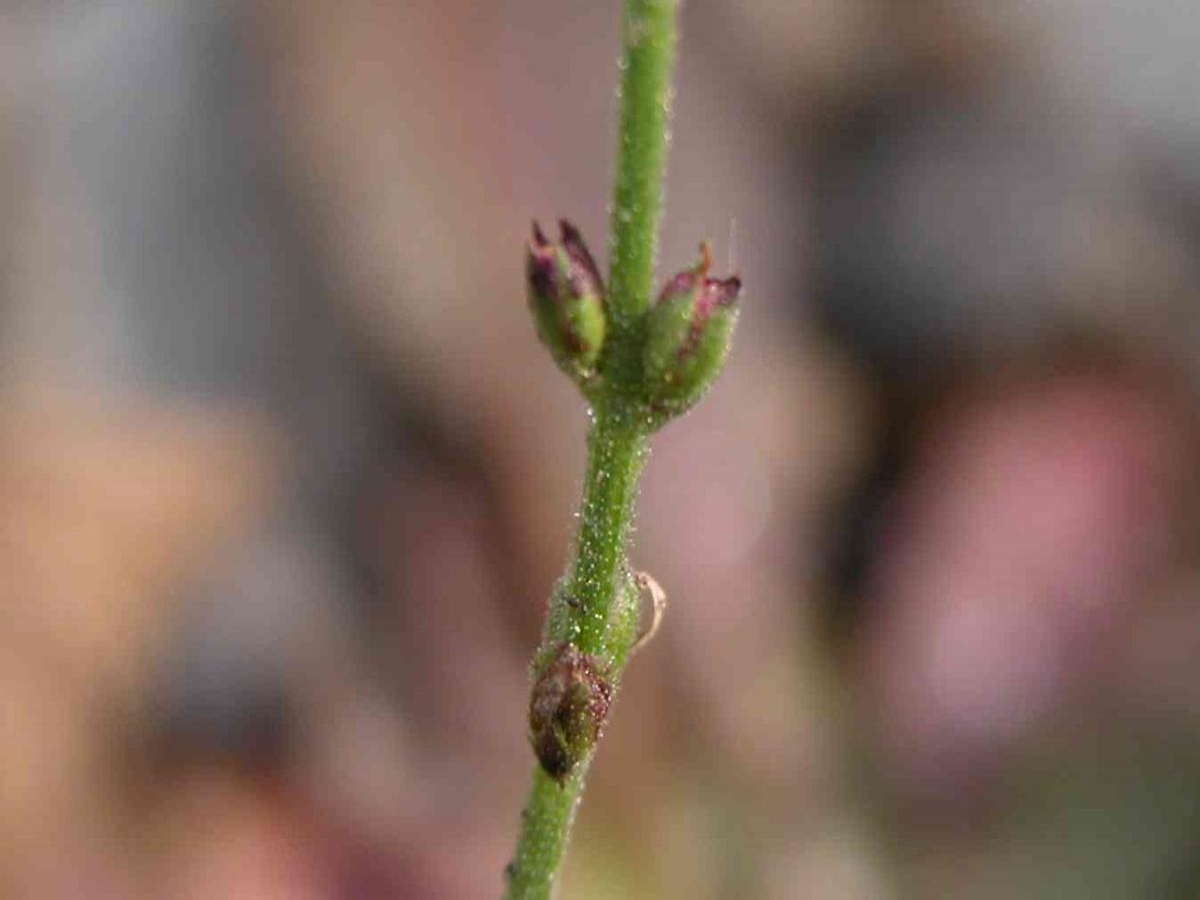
[
  {"x": 688, "y": 333},
  {"x": 566, "y": 297}
]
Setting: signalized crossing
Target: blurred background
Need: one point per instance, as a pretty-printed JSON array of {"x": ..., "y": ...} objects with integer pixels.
[{"x": 285, "y": 478}]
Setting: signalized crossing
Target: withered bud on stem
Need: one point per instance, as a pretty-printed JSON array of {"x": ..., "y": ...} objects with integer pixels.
[{"x": 567, "y": 710}]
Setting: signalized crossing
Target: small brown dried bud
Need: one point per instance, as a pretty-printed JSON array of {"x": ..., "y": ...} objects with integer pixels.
[{"x": 568, "y": 708}]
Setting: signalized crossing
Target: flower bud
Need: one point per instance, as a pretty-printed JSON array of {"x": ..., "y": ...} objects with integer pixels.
[
  {"x": 567, "y": 710},
  {"x": 688, "y": 333},
  {"x": 566, "y": 296}
]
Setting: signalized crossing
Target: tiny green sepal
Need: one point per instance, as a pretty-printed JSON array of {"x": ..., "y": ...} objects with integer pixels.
[
  {"x": 688, "y": 333},
  {"x": 566, "y": 297}
]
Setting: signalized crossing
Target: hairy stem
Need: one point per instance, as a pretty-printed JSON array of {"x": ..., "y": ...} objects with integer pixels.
[
  {"x": 584, "y": 612},
  {"x": 615, "y": 452},
  {"x": 545, "y": 826},
  {"x": 648, "y": 38}
]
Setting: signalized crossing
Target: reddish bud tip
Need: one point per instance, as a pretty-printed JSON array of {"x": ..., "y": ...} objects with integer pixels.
[{"x": 687, "y": 336}]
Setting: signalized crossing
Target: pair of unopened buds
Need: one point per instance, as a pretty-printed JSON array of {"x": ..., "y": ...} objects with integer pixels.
[{"x": 684, "y": 336}]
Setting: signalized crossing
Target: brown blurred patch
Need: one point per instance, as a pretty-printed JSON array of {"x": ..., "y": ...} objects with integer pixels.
[{"x": 105, "y": 514}]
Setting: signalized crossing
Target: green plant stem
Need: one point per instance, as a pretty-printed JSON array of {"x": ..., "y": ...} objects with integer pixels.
[
  {"x": 648, "y": 35},
  {"x": 616, "y": 449},
  {"x": 545, "y": 827},
  {"x": 617, "y": 439}
]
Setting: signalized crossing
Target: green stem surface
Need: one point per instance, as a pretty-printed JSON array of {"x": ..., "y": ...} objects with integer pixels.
[
  {"x": 616, "y": 450},
  {"x": 617, "y": 439},
  {"x": 648, "y": 38},
  {"x": 545, "y": 827}
]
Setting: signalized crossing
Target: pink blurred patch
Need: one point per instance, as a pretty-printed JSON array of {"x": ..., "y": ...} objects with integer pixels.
[{"x": 1026, "y": 535}]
